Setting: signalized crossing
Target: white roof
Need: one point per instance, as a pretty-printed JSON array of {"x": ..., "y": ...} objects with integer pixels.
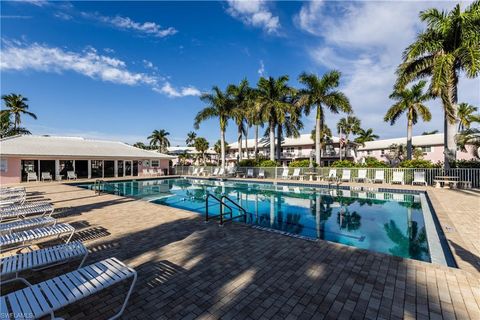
[
  {"x": 190, "y": 150},
  {"x": 417, "y": 141},
  {"x": 303, "y": 140},
  {"x": 31, "y": 145}
]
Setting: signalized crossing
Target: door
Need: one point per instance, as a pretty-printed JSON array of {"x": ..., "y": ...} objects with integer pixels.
[{"x": 128, "y": 168}]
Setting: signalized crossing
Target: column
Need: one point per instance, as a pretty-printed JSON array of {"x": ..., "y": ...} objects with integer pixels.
[
  {"x": 115, "y": 167},
  {"x": 57, "y": 169},
  {"x": 89, "y": 169},
  {"x": 103, "y": 169}
]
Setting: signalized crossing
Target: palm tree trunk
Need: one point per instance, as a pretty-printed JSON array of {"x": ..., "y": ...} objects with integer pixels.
[
  {"x": 256, "y": 142},
  {"x": 240, "y": 149},
  {"x": 279, "y": 142},
  {"x": 272, "y": 142},
  {"x": 318, "y": 130},
  {"x": 450, "y": 127},
  {"x": 409, "y": 139},
  {"x": 222, "y": 147},
  {"x": 246, "y": 142}
]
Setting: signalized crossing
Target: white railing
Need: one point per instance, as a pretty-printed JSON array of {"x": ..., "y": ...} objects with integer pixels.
[{"x": 464, "y": 174}]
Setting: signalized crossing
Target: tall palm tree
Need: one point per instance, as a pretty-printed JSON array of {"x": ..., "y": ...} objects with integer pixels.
[
  {"x": 449, "y": 45},
  {"x": 218, "y": 106},
  {"x": 320, "y": 93},
  {"x": 466, "y": 116},
  {"x": 16, "y": 105},
  {"x": 325, "y": 136},
  {"x": 242, "y": 99},
  {"x": 191, "y": 136},
  {"x": 254, "y": 118},
  {"x": 411, "y": 101},
  {"x": 347, "y": 126},
  {"x": 159, "y": 139},
  {"x": 201, "y": 145},
  {"x": 271, "y": 102},
  {"x": 365, "y": 136},
  {"x": 7, "y": 129},
  {"x": 469, "y": 137}
]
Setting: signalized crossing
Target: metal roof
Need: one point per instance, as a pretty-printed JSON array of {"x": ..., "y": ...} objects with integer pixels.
[
  {"x": 417, "y": 141},
  {"x": 56, "y": 146}
]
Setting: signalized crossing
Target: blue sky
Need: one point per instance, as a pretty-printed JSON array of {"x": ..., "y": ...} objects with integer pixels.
[{"x": 119, "y": 70}]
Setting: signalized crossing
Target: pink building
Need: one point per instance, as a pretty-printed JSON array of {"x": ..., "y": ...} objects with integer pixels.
[
  {"x": 88, "y": 158},
  {"x": 431, "y": 146}
]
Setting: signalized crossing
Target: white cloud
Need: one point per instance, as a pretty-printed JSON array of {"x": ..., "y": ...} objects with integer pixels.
[
  {"x": 365, "y": 42},
  {"x": 254, "y": 13},
  {"x": 17, "y": 56},
  {"x": 38, "y": 3},
  {"x": 261, "y": 70},
  {"x": 176, "y": 93},
  {"x": 62, "y": 16},
  {"x": 126, "y": 23}
]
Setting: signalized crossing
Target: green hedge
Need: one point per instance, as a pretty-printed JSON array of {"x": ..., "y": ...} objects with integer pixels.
[
  {"x": 247, "y": 163},
  {"x": 268, "y": 163},
  {"x": 466, "y": 164},
  {"x": 343, "y": 164},
  {"x": 418, "y": 163},
  {"x": 301, "y": 164}
]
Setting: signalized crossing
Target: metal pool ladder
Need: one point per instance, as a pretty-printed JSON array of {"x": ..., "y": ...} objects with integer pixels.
[
  {"x": 100, "y": 184},
  {"x": 222, "y": 201}
]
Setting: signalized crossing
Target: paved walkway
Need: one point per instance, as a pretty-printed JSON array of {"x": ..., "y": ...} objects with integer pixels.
[{"x": 189, "y": 269}]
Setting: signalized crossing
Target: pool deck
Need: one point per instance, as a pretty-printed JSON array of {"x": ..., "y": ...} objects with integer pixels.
[{"x": 189, "y": 269}]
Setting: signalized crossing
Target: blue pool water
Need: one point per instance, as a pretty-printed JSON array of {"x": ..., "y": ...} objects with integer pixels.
[{"x": 391, "y": 223}]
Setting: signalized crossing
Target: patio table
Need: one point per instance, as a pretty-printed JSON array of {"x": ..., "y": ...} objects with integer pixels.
[{"x": 310, "y": 175}]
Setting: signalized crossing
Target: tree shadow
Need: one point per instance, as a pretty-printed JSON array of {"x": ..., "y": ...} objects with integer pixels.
[{"x": 466, "y": 255}]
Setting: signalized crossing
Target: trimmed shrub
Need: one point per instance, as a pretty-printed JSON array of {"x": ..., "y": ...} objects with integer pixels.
[
  {"x": 417, "y": 163},
  {"x": 343, "y": 164},
  {"x": 466, "y": 164},
  {"x": 247, "y": 163},
  {"x": 372, "y": 162},
  {"x": 301, "y": 164},
  {"x": 268, "y": 163}
]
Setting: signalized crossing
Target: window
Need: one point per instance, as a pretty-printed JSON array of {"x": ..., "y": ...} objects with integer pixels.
[
  {"x": 369, "y": 152},
  {"x": 382, "y": 152},
  {"x": 3, "y": 165},
  {"x": 427, "y": 149},
  {"x": 155, "y": 163}
]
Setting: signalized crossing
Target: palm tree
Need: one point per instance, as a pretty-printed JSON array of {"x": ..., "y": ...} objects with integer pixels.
[
  {"x": 449, "y": 45},
  {"x": 17, "y": 106},
  {"x": 322, "y": 92},
  {"x": 272, "y": 103},
  {"x": 242, "y": 99},
  {"x": 190, "y": 138},
  {"x": 426, "y": 133},
  {"x": 219, "y": 106},
  {"x": 365, "y": 136},
  {"x": 466, "y": 116},
  {"x": 254, "y": 118},
  {"x": 159, "y": 139},
  {"x": 140, "y": 145},
  {"x": 411, "y": 101},
  {"x": 7, "y": 129},
  {"x": 217, "y": 147},
  {"x": 325, "y": 136},
  {"x": 347, "y": 126},
  {"x": 201, "y": 145},
  {"x": 469, "y": 137}
]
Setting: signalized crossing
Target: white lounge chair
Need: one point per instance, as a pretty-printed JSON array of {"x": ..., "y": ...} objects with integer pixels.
[
  {"x": 397, "y": 177},
  {"x": 250, "y": 174},
  {"x": 32, "y": 176},
  {"x": 346, "y": 174},
  {"x": 195, "y": 172},
  {"x": 145, "y": 172},
  {"x": 332, "y": 175},
  {"x": 221, "y": 172},
  {"x": 285, "y": 173},
  {"x": 21, "y": 238},
  {"x": 40, "y": 259},
  {"x": 21, "y": 211},
  {"x": 419, "y": 178},
  {"x": 45, "y": 298},
  {"x": 71, "y": 175},
  {"x": 296, "y": 174},
  {"x": 47, "y": 176},
  {"x": 12, "y": 199},
  {"x": 4, "y": 190},
  {"x": 200, "y": 172},
  {"x": 379, "y": 176},
  {"x": 362, "y": 175},
  {"x": 215, "y": 172},
  {"x": 261, "y": 174},
  {"x": 18, "y": 225}
]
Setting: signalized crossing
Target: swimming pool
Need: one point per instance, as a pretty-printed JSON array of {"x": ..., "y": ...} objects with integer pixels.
[{"x": 391, "y": 223}]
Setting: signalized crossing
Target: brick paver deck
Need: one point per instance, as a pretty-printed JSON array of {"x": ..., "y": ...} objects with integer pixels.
[{"x": 188, "y": 269}]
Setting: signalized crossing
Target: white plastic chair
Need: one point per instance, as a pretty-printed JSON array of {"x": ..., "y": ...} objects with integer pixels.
[
  {"x": 419, "y": 177},
  {"x": 397, "y": 177},
  {"x": 32, "y": 176},
  {"x": 285, "y": 173},
  {"x": 296, "y": 174},
  {"x": 362, "y": 175},
  {"x": 250, "y": 173},
  {"x": 332, "y": 174},
  {"x": 71, "y": 175},
  {"x": 346, "y": 175},
  {"x": 379, "y": 176},
  {"x": 261, "y": 174}
]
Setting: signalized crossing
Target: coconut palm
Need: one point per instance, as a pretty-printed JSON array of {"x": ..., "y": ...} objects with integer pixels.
[
  {"x": 159, "y": 139},
  {"x": 411, "y": 101},
  {"x": 201, "y": 145},
  {"x": 347, "y": 126},
  {"x": 219, "y": 106},
  {"x": 242, "y": 99},
  {"x": 191, "y": 136},
  {"x": 426, "y": 133},
  {"x": 271, "y": 102},
  {"x": 7, "y": 128},
  {"x": 449, "y": 45},
  {"x": 365, "y": 136},
  {"x": 320, "y": 93},
  {"x": 469, "y": 137},
  {"x": 16, "y": 105},
  {"x": 140, "y": 145},
  {"x": 466, "y": 116}
]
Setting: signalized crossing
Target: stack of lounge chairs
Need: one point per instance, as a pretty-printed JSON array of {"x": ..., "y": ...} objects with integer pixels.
[{"x": 27, "y": 223}]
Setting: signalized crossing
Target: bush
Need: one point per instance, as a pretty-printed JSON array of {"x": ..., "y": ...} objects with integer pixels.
[
  {"x": 417, "y": 163},
  {"x": 268, "y": 163},
  {"x": 466, "y": 164},
  {"x": 247, "y": 163},
  {"x": 372, "y": 162},
  {"x": 301, "y": 164},
  {"x": 343, "y": 164}
]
